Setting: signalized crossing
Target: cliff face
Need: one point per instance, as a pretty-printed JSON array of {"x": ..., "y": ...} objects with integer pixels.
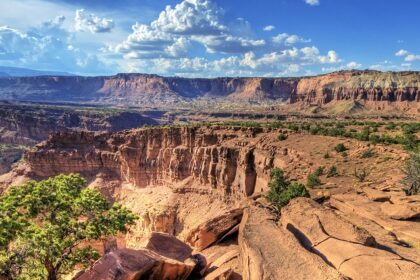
[
  {"x": 152, "y": 89},
  {"x": 28, "y": 125},
  {"x": 147, "y": 157}
]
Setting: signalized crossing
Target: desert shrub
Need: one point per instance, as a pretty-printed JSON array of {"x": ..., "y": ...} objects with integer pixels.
[
  {"x": 282, "y": 137},
  {"x": 340, "y": 148},
  {"x": 313, "y": 180},
  {"x": 390, "y": 126},
  {"x": 327, "y": 155},
  {"x": 368, "y": 153},
  {"x": 332, "y": 172},
  {"x": 281, "y": 191},
  {"x": 411, "y": 180},
  {"x": 319, "y": 171},
  {"x": 361, "y": 174}
]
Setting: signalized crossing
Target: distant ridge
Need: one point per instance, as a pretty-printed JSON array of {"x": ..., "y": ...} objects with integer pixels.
[{"x": 6, "y": 71}]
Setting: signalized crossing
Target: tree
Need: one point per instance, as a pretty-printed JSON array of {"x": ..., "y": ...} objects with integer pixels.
[
  {"x": 45, "y": 227},
  {"x": 281, "y": 191}
]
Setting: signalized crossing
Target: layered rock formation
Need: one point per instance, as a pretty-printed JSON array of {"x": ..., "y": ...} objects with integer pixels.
[
  {"x": 28, "y": 125},
  {"x": 204, "y": 185},
  {"x": 141, "y": 89}
]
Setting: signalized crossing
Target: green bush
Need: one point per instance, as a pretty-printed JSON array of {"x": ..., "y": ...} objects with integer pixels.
[
  {"x": 340, "y": 148},
  {"x": 319, "y": 171},
  {"x": 313, "y": 180},
  {"x": 412, "y": 175},
  {"x": 281, "y": 191},
  {"x": 282, "y": 137},
  {"x": 332, "y": 172}
]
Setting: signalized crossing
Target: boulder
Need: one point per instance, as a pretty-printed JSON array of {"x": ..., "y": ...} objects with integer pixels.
[
  {"x": 400, "y": 211},
  {"x": 268, "y": 251},
  {"x": 128, "y": 264},
  {"x": 376, "y": 195},
  {"x": 215, "y": 229},
  {"x": 343, "y": 245},
  {"x": 162, "y": 257}
]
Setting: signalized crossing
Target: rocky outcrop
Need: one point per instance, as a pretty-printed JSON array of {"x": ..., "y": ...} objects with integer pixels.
[
  {"x": 270, "y": 252},
  {"x": 140, "y": 89},
  {"x": 28, "y": 125},
  {"x": 146, "y": 157},
  {"x": 348, "y": 248},
  {"x": 163, "y": 257}
]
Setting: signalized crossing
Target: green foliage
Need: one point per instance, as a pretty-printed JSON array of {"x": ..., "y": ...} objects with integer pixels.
[
  {"x": 340, "y": 148},
  {"x": 361, "y": 174},
  {"x": 412, "y": 175},
  {"x": 313, "y": 180},
  {"x": 43, "y": 226},
  {"x": 368, "y": 153},
  {"x": 281, "y": 191},
  {"x": 332, "y": 172},
  {"x": 319, "y": 171},
  {"x": 282, "y": 137}
]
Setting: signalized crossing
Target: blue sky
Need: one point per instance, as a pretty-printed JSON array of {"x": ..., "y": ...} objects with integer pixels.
[{"x": 209, "y": 38}]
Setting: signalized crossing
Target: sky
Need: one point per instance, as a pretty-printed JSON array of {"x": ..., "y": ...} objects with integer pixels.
[{"x": 210, "y": 38}]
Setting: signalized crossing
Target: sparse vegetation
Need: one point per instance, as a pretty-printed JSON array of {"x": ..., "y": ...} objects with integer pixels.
[
  {"x": 332, "y": 172},
  {"x": 282, "y": 191},
  {"x": 368, "y": 153},
  {"x": 412, "y": 175},
  {"x": 340, "y": 148},
  {"x": 282, "y": 137},
  {"x": 313, "y": 180},
  {"x": 327, "y": 155},
  {"x": 319, "y": 171},
  {"x": 361, "y": 174},
  {"x": 45, "y": 224}
]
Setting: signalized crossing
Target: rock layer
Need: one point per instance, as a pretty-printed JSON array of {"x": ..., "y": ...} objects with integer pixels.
[{"x": 129, "y": 89}]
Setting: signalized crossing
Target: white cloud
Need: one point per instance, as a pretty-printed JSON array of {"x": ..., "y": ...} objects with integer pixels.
[
  {"x": 191, "y": 17},
  {"x": 286, "y": 39},
  {"x": 353, "y": 65},
  {"x": 409, "y": 57},
  {"x": 269, "y": 28},
  {"x": 230, "y": 44},
  {"x": 412, "y": 57},
  {"x": 312, "y": 2},
  {"x": 92, "y": 23},
  {"x": 48, "y": 47},
  {"x": 401, "y": 53}
]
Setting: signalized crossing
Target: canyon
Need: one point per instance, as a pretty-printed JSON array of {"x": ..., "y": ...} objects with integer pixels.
[
  {"x": 201, "y": 189},
  {"x": 371, "y": 89}
]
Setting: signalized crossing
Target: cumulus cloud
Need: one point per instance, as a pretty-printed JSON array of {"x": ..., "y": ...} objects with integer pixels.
[
  {"x": 269, "y": 28},
  {"x": 190, "y": 17},
  {"x": 312, "y": 2},
  {"x": 92, "y": 23},
  {"x": 408, "y": 57},
  {"x": 164, "y": 45},
  {"x": 353, "y": 65},
  {"x": 48, "y": 46},
  {"x": 401, "y": 53},
  {"x": 286, "y": 39}
]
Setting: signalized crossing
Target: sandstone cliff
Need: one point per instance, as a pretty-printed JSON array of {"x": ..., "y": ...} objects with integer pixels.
[
  {"x": 141, "y": 89},
  {"x": 205, "y": 186}
]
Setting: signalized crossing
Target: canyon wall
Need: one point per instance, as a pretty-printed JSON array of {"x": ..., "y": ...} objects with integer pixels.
[
  {"x": 229, "y": 161},
  {"x": 141, "y": 89},
  {"x": 28, "y": 125}
]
